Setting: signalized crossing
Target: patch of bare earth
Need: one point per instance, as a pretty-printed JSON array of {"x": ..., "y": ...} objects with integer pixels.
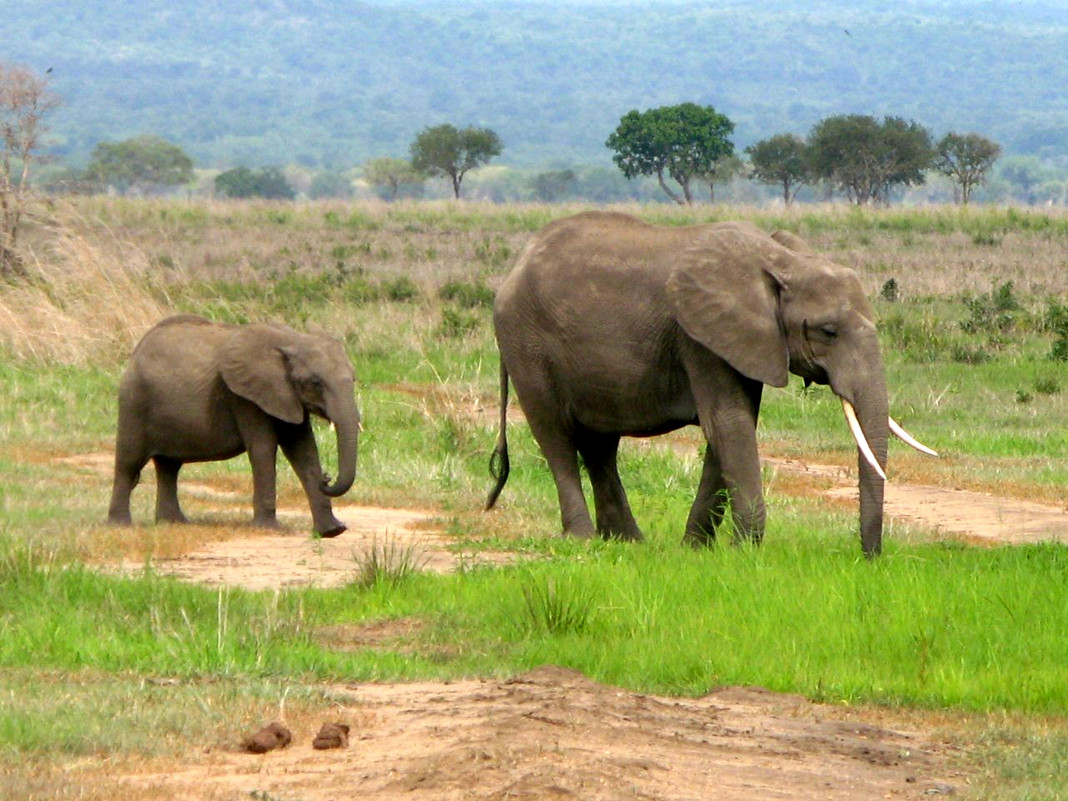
[{"x": 552, "y": 733}]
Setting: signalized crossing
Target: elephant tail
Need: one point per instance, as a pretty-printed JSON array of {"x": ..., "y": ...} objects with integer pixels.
[{"x": 498, "y": 465}]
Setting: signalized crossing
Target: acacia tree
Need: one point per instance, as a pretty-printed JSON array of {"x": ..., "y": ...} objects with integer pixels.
[
  {"x": 966, "y": 158},
  {"x": 866, "y": 158},
  {"x": 446, "y": 150},
  {"x": 24, "y": 101},
  {"x": 390, "y": 174},
  {"x": 146, "y": 162},
  {"x": 781, "y": 160},
  {"x": 266, "y": 182},
  {"x": 682, "y": 142}
]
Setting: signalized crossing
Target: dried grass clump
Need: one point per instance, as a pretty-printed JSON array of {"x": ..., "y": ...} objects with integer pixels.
[{"x": 86, "y": 298}]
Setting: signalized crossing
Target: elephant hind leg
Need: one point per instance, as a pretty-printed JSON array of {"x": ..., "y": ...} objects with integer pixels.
[
  {"x": 167, "y": 508},
  {"x": 560, "y": 452},
  {"x": 127, "y": 476},
  {"x": 614, "y": 518}
]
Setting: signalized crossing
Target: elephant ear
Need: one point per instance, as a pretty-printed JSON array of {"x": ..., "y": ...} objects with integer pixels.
[
  {"x": 725, "y": 290},
  {"x": 253, "y": 365},
  {"x": 793, "y": 242}
]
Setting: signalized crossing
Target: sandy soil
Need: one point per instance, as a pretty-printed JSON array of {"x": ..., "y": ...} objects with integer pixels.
[{"x": 553, "y": 733}]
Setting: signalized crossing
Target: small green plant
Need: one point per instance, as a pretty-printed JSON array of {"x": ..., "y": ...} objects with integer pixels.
[
  {"x": 986, "y": 239},
  {"x": 890, "y": 291},
  {"x": 387, "y": 564},
  {"x": 1023, "y": 396},
  {"x": 1055, "y": 320},
  {"x": 401, "y": 290},
  {"x": 966, "y": 354},
  {"x": 555, "y": 607},
  {"x": 1047, "y": 386},
  {"x": 493, "y": 253},
  {"x": 456, "y": 323},
  {"x": 467, "y": 294},
  {"x": 992, "y": 312}
]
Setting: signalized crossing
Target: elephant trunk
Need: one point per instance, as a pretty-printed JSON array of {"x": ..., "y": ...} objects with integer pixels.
[
  {"x": 865, "y": 400},
  {"x": 347, "y": 425}
]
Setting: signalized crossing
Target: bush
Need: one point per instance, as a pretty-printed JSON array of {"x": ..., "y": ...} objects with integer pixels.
[
  {"x": 401, "y": 290},
  {"x": 455, "y": 323},
  {"x": 992, "y": 312},
  {"x": 467, "y": 295},
  {"x": 890, "y": 291}
]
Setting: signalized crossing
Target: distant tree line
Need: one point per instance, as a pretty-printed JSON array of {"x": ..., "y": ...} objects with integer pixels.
[
  {"x": 679, "y": 147},
  {"x": 858, "y": 155}
]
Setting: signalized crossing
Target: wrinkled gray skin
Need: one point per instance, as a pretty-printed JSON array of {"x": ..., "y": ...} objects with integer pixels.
[
  {"x": 196, "y": 391},
  {"x": 608, "y": 326}
]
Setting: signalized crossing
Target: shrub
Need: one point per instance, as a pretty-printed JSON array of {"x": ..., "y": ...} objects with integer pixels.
[
  {"x": 890, "y": 291},
  {"x": 455, "y": 323},
  {"x": 401, "y": 289},
  {"x": 992, "y": 312},
  {"x": 467, "y": 295}
]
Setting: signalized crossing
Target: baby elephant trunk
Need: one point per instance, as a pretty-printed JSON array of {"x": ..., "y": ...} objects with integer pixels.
[{"x": 348, "y": 435}]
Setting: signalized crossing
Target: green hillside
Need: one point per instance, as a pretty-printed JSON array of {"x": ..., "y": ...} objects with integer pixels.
[{"x": 335, "y": 83}]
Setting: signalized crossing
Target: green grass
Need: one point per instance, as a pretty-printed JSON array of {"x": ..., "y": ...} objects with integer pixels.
[{"x": 930, "y": 626}]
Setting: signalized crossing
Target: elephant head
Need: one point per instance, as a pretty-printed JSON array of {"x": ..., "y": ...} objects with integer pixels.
[
  {"x": 290, "y": 375},
  {"x": 770, "y": 306}
]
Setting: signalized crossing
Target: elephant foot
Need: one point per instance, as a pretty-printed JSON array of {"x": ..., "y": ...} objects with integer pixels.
[
  {"x": 330, "y": 533},
  {"x": 171, "y": 517},
  {"x": 120, "y": 519},
  {"x": 630, "y": 535},
  {"x": 700, "y": 539}
]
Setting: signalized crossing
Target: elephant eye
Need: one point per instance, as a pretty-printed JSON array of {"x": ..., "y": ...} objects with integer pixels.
[{"x": 830, "y": 331}]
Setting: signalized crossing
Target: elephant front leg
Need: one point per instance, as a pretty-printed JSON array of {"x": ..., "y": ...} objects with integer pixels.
[
  {"x": 728, "y": 405},
  {"x": 710, "y": 506},
  {"x": 303, "y": 454},
  {"x": 262, "y": 455}
]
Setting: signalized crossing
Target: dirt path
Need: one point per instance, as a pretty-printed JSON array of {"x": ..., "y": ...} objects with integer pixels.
[
  {"x": 976, "y": 517},
  {"x": 552, "y": 733}
]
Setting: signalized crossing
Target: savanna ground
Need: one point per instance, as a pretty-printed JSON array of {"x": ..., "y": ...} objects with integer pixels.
[{"x": 479, "y": 655}]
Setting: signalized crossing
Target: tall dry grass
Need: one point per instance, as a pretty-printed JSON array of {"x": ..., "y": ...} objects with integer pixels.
[{"x": 87, "y": 297}]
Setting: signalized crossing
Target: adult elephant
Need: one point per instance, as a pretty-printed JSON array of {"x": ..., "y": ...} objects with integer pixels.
[
  {"x": 609, "y": 326},
  {"x": 199, "y": 391}
]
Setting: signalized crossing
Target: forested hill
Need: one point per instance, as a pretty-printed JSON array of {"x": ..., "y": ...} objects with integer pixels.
[{"x": 334, "y": 82}]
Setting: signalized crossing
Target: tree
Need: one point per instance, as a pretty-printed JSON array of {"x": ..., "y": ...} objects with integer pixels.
[
  {"x": 445, "y": 150},
  {"x": 266, "y": 182},
  {"x": 551, "y": 185},
  {"x": 24, "y": 101},
  {"x": 966, "y": 158},
  {"x": 683, "y": 142},
  {"x": 388, "y": 175},
  {"x": 330, "y": 184},
  {"x": 781, "y": 160},
  {"x": 724, "y": 171},
  {"x": 866, "y": 158},
  {"x": 147, "y": 163}
]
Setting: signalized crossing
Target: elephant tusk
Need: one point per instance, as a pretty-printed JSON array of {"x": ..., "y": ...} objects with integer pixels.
[
  {"x": 908, "y": 439},
  {"x": 858, "y": 435}
]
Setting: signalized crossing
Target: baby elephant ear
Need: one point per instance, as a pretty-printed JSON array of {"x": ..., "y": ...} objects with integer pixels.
[
  {"x": 792, "y": 241},
  {"x": 725, "y": 291},
  {"x": 253, "y": 366}
]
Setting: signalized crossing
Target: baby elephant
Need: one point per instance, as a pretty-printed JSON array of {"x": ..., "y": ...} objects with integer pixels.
[{"x": 197, "y": 391}]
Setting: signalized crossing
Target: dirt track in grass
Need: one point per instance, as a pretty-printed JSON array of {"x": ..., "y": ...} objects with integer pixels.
[{"x": 552, "y": 733}]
